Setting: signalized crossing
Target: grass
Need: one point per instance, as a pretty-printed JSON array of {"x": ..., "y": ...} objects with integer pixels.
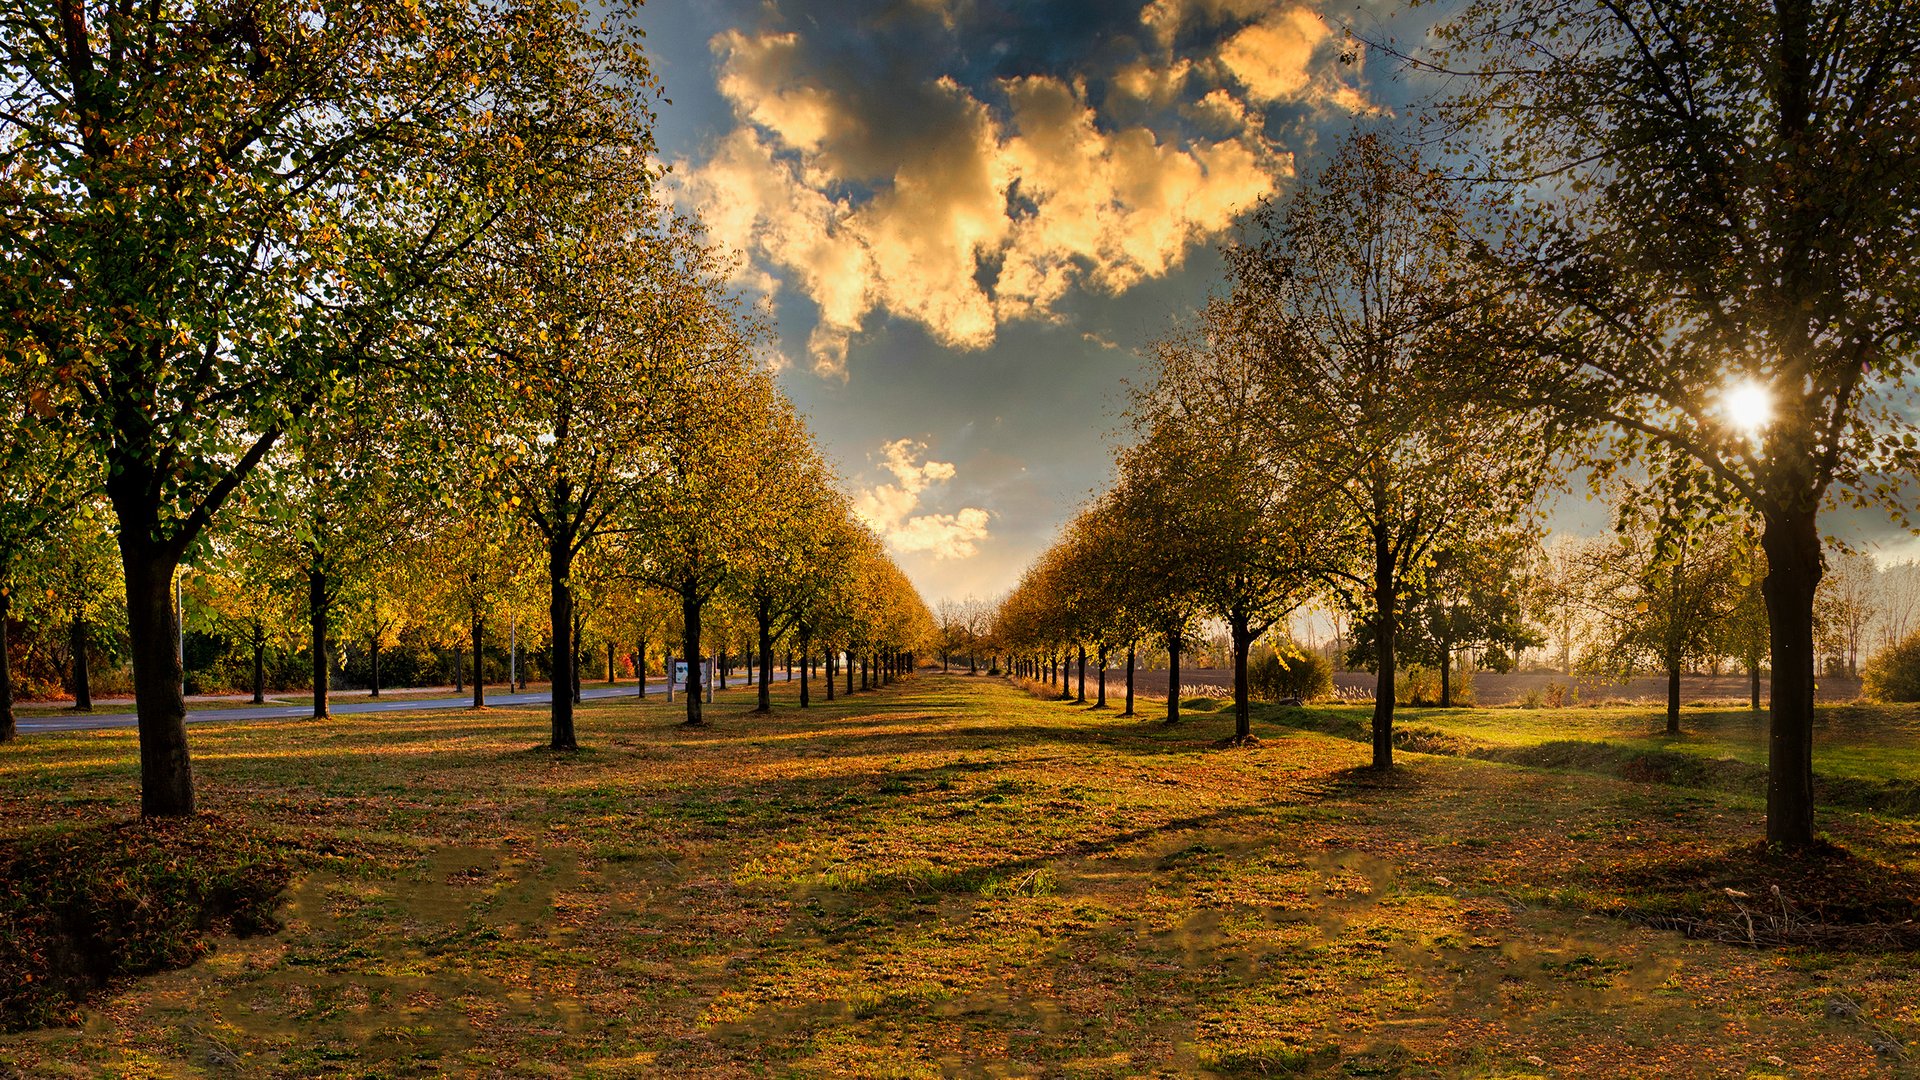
[
  {"x": 953, "y": 877},
  {"x": 1865, "y": 756}
]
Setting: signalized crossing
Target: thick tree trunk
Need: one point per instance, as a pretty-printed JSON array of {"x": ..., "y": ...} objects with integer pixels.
[
  {"x": 1673, "y": 697},
  {"x": 1446, "y": 674},
  {"x": 479, "y": 661},
  {"x": 610, "y": 678},
  {"x": 82, "y": 677},
  {"x": 373, "y": 660},
  {"x": 640, "y": 666},
  {"x": 1173, "y": 677},
  {"x": 1794, "y": 568},
  {"x": 850, "y": 666},
  {"x": 259, "y": 663},
  {"x": 317, "y": 637},
  {"x": 1385, "y": 619},
  {"x": 560, "y": 625},
  {"x": 166, "y": 769},
  {"x": 690, "y": 644},
  {"x": 8, "y": 725},
  {"x": 1081, "y": 697},
  {"x": 763, "y": 616},
  {"x": 828, "y": 670},
  {"x": 1129, "y": 711},
  {"x": 1242, "y": 642},
  {"x": 1753, "y": 685}
]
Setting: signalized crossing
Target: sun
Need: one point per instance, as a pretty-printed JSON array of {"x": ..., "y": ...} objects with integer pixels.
[{"x": 1747, "y": 407}]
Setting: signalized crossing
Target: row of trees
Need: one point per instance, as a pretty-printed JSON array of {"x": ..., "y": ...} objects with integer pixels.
[
  {"x": 373, "y": 280},
  {"x": 1685, "y": 251}
]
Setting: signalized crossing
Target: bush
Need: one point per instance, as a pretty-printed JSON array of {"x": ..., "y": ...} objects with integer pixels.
[
  {"x": 1291, "y": 672},
  {"x": 1894, "y": 672},
  {"x": 83, "y": 908},
  {"x": 1416, "y": 684}
]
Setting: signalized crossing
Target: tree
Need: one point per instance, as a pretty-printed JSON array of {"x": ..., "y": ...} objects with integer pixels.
[
  {"x": 1352, "y": 297},
  {"x": 243, "y": 590},
  {"x": 1716, "y": 229},
  {"x": 1162, "y": 576},
  {"x": 42, "y": 465},
  {"x": 1250, "y": 537},
  {"x": 217, "y": 212},
  {"x": 1473, "y": 595},
  {"x": 1663, "y": 589},
  {"x": 75, "y": 570},
  {"x": 1845, "y": 605},
  {"x": 599, "y": 300},
  {"x": 779, "y": 566},
  {"x": 689, "y": 529},
  {"x": 1743, "y": 633}
]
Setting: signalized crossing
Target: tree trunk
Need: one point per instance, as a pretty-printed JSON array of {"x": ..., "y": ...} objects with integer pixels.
[
  {"x": 1081, "y": 697},
  {"x": 82, "y": 678},
  {"x": 640, "y": 666},
  {"x": 560, "y": 624},
  {"x": 828, "y": 670},
  {"x": 8, "y": 726},
  {"x": 806, "y": 665},
  {"x": 1673, "y": 696},
  {"x": 373, "y": 659},
  {"x": 1446, "y": 674},
  {"x": 479, "y": 661},
  {"x": 1173, "y": 677},
  {"x": 1385, "y": 625},
  {"x": 579, "y": 656},
  {"x": 1129, "y": 711},
  {"x": 1101, "y": 702},
  {"x": 166, "y": 769},
  {"x": 1794, "y": 566},
  {"x": 1242, "y": 642},
  {"x": 1753, "y": 681},
  {"x": 690, "y": 644},
  {"x": 317, "y": 636},
  {"x": 259, "y": 663},
  {"x": 763, "y": 615},
  {"x": 850, "y": 666}
]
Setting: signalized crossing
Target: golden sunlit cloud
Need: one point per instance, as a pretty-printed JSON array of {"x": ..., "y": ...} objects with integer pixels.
[
  {"x": 889, "y": 508},
  {"x": 962, "y": 208}
]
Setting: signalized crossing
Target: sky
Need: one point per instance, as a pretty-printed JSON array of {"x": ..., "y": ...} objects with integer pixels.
[{"x": 970, "y": 218}]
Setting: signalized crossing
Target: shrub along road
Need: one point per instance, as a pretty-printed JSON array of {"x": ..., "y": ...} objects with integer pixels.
[{"x": 954, "y": 877}]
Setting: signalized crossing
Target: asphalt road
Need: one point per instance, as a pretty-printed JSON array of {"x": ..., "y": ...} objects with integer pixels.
[{"x": 93, "y": 721}]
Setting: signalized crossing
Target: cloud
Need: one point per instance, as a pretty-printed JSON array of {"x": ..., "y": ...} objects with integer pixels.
[
  {"x": 889, "y": 508},
  {"x": 902, "y": 180},
  {"x": 1273, "y": 58}
]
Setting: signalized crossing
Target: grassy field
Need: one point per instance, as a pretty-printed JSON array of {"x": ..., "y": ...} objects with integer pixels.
[
  {"x": 1866, "y": 755},
  {"x": 954, "y": 877}
]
